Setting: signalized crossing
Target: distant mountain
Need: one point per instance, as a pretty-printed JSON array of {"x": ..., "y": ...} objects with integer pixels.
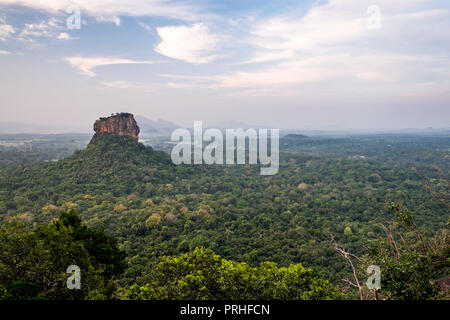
[
  {"x": 147, "y": 126},
  {"x": 159, "y": 126},
  {"x": 293, "y": 136}
]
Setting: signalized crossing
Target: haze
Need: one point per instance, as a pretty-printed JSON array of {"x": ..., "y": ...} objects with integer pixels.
[{"x": 338, "y": 64}]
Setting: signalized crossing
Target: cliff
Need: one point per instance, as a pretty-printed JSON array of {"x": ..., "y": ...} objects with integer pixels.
[{"x": 122, "y": 124}]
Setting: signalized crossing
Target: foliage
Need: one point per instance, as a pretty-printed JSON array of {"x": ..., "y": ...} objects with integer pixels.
[
  {"x": 410, "y": 266},
  {"x": 155, "y": 209},
  {"x": 202, "y": 275},
  {"x": 33, "y": 263}
]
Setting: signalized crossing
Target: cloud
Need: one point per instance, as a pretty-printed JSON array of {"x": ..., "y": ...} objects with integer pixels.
[
  {"x": 179, "y": 85},
  {"x": 117, "y": 84},
  {"x": 177, "y": 81},
  {"x": 110, "y": 10},
  {"x": 331, "y": 46},
  {"x": 50, "y": 28},
  {"x": 6, "y": 30},
  {"x": 44, "y": 28},
  {"x": 145, "y": 26},
  {"x": 112, "y": 19},
  {"x": 382, "y": 69},
  {"x": 194, "y": 44},
  {"x": 65, "y": 36},
  {"x": 310, "y": 70},
  {"x": 340, "y": 26},
  {"x": 126, "y": 85},
  {"x": 85, "y": 65}
]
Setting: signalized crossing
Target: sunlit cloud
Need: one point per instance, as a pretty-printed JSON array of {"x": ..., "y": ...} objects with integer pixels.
[
  {"x": 65, "y": 36},
  {"x": 194, "y": 44},
  {"x": 145, "y": 26},
  {"x": 85, "y": 65},
  {"x": 111, "y": 10},
  {"x": 6, "y": 30},
  {"x": 43, "y": 29},
  {"x": 332, "y": 44}
]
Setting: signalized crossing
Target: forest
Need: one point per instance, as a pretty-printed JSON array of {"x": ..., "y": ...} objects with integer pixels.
[{"x": 141, "y": 227}]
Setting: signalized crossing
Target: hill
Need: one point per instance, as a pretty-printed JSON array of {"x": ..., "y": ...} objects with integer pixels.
[
  {"x": 113, "y": 164},
  {"x": 293, "y": 136}
]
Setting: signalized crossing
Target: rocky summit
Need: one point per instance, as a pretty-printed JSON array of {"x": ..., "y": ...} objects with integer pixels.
[{"x": 120, "y": 124}]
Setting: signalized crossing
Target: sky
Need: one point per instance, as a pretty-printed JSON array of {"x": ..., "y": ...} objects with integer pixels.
[{"x": 337, "y": 64}]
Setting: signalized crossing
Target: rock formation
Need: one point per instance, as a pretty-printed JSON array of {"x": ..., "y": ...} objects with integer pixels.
[{"x": 120, "y": 124}]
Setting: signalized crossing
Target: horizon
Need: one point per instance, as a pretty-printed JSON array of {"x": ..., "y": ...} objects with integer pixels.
[{"x": 14, "y": 127}]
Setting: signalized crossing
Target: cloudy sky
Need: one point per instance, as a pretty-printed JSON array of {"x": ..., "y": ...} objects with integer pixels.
[{"x": 337, "y": 64}]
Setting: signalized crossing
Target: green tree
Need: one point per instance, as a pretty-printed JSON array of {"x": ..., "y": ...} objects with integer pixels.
[
  {"x": 202, "y": 274},
  {"x": 411, "y": 266},
  {"x": 33, "y": 263}
]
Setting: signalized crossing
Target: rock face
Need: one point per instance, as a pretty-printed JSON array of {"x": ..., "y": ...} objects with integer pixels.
[{"x": 120, "y": 123}]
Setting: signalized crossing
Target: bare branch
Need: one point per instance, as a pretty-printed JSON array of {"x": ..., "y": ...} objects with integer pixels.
[
  {"x": 348, "y": 256},
  {"x": 350, "y": 283},
  {"x": 442, "y": 197},
  {"x": 392, "y": 242}
]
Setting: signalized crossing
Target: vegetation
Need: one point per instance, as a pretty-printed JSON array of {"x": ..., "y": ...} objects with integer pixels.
[
  {"x": 33, "y": 262},
  {"x": 410, "y": 264},
  {"x": 203, "y": 275},
  {"x": 161, "y": 213}
]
